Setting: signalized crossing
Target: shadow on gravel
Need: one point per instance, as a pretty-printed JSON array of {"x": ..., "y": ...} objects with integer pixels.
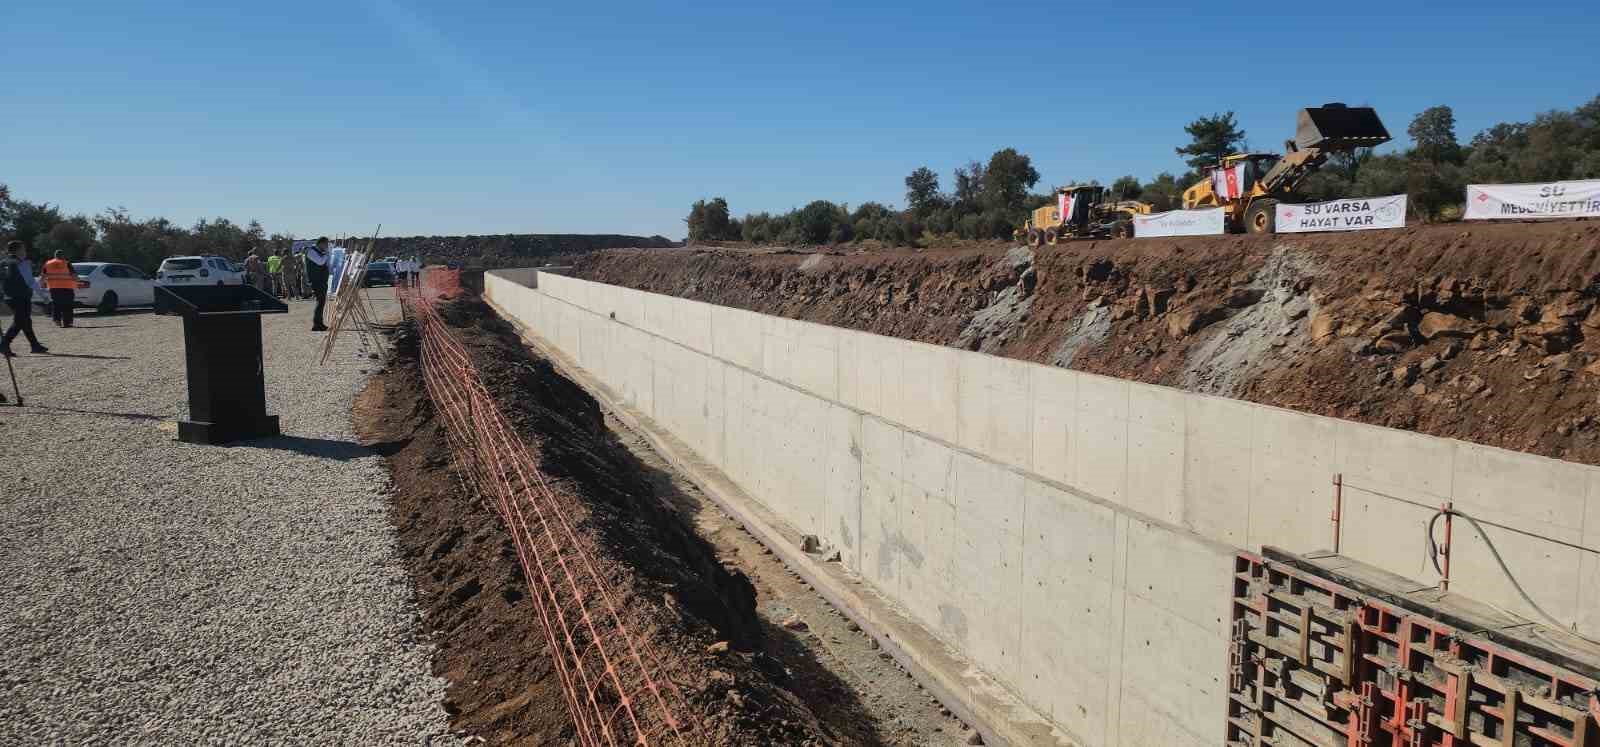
[
  {"x": 323, "y": 448},
  {"x": 67, "y": 411},
  {"x": 90, "y": 357}
]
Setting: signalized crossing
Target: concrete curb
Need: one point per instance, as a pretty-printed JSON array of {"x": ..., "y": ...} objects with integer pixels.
[{"x": 975, "y": 698}]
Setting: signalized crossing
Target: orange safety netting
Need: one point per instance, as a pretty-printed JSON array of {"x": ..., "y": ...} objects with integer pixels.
[
  {"x": 610, "y": 675},
  {"x": 439, "y": 282}
]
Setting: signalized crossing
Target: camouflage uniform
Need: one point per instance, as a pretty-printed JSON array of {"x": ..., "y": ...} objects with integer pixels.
[{"x": 293, "y": 270}]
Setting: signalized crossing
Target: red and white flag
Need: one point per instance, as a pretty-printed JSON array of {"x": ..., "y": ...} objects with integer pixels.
[
  {"x": 1064, "y": 204},
  {"x": 1228, "y": 182}
]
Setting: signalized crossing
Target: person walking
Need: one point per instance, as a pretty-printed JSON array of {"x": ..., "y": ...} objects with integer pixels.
[
  {"x": 275, "y": 272},
  {"x": 317, "y": 277},
  {"x": 62, "y": 282},
  {"x": 17, "y": 285}
]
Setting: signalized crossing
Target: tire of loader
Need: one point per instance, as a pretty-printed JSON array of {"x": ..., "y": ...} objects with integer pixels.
[
  {"x": 1123, "y": 229},
  {"x": 1262, "y": 216},
  {"x": 1035, "y": 237},
  {"x": 1051, "y": 236}
]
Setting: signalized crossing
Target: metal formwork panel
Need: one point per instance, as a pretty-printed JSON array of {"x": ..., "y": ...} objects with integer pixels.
[{"x": 1314, "y": 662}]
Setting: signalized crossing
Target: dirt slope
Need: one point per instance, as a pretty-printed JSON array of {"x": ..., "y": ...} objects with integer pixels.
[{"x": 1487, "y": 333}]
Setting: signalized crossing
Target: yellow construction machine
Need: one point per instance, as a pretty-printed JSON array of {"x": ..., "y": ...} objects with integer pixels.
[
  {"x": 1248, "y": 186},
  {"x": 1080, "y": 212}
]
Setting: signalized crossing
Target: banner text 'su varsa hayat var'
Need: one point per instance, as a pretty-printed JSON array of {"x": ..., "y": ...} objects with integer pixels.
[
  {"x": 1580, "y": 199},
  {"x": 1359, "y": 214}
]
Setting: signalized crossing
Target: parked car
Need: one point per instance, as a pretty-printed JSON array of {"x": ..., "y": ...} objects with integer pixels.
[
  {"x": 380, "y": 273},
  {"x": 108, "y": 286},
  {"x": 194, "y": 270}
]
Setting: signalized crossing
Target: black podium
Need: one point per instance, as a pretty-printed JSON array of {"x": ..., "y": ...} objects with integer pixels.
[{"x": 222, "y": 355}]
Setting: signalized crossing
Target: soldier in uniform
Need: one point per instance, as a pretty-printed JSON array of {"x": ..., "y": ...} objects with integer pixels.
[{"x": 293, "y": 268}]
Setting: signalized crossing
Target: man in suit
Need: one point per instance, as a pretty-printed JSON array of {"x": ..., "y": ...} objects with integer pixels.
[
  {"x": 317, "y": 276},
  {"x": 17, "y": 285}
]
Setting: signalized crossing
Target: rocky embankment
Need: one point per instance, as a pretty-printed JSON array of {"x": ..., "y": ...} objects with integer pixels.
[
  {"x": 1487, "y": 333},
  {"x": 511, "y": 250}
]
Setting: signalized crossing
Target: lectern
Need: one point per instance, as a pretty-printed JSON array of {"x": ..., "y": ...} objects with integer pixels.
[{"x": 222, "y": 356}]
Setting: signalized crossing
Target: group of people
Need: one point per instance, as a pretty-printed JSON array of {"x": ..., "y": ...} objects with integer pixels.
[
  {"x": 282, "y": 273},
  {"x": 290, "y": 274},
  {"x": 407, "y": 270}
]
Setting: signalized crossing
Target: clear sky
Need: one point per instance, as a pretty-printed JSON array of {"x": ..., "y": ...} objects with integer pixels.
[{"x": 479, "y": 117}]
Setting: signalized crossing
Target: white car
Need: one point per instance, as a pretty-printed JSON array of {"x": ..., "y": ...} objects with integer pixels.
[
  {"x": 108, "y": 286},
  {"x": 198, "y": 271}
]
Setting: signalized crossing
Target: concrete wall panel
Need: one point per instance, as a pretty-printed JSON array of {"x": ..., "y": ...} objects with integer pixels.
[
  {"x": 1156, "y": 433},
  {"x": 882, "y": 544},
  {"x": 736, "y": 337},
  {"x": 801, "y": 354},
  {"x": 1416, "y": 467},
  {"x": 984, "y": 608},
  {"x": 714, "y": 449},
  {"x": 1054, "y": 411},
  {"x": 1068, "y": 555},
  {"x": 1291, "y": 466},
  {"x": 1100, "y": 437},
  {"x": 928, "y": 390},
  {"x": 1521, "y": 490},
  {"x": 1163, "y": 658},
  {"x": 1589, "y": 569},
  {"x": 693, "y": 322},
  {"x": 841, "y": 519},
  {"x": 659, "y": 316},
  {"x": 1173, "y": 664},
  {"x": 992, "y": 393},
  {"x": 1216, "y": 480},
  {"x": 1385, "y": 533},
  {"x": 1547, "y": 572},
  {"x": 927, "y": 530}
]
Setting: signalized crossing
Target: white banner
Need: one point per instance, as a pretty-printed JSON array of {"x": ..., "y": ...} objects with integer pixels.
[
  {"x": 1359, "y": 214},
  {"x": 1179, "y": 223},
  {"x": 1548, "y": 200}
]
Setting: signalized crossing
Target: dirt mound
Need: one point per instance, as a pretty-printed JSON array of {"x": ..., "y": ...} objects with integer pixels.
[
  {"x": 1487, "y": 333},
  {"x": 502, "y": 684}
]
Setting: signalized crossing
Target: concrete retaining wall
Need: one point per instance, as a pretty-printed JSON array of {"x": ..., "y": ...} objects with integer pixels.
[{"x": 1070, "y": 533}]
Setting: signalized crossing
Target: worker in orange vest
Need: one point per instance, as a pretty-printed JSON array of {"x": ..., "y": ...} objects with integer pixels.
[{"x": 62, "y": 282}]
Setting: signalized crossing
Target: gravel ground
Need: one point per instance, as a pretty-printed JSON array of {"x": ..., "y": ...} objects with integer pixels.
[{"x": 161, "y": 592}]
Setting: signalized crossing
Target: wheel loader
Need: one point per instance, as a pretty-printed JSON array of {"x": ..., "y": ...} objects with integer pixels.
[
  {"x": 1248, "y": 186},
  {"x": 1080, "y": 212}
]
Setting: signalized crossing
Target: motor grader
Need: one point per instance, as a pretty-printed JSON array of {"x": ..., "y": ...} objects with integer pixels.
[
  {"x": 1080, "y": 212},
  {"x": 1248, "y": 186}
]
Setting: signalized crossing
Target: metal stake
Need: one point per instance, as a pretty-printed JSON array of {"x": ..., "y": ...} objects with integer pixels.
[{"x": 14, "y": 388}]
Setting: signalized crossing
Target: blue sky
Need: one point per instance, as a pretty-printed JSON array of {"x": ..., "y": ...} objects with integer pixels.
[{"x": 479, "y": 117}]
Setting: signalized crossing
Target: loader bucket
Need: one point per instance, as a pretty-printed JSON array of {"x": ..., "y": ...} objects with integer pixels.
[{"x": 1339, "y": 127}]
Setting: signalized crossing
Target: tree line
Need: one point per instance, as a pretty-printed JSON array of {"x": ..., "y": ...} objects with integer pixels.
[
  {"x": 990, "y": 199},
  {"x": 115, "y": 236}
]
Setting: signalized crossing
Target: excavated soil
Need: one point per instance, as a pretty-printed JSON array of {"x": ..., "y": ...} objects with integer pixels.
[
  {"x": 1483, "y": 332},
  {"x": 502, "y": 685}
]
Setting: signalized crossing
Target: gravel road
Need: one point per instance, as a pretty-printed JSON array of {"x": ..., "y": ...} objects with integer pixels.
[{"x": 161, "y": 592}]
